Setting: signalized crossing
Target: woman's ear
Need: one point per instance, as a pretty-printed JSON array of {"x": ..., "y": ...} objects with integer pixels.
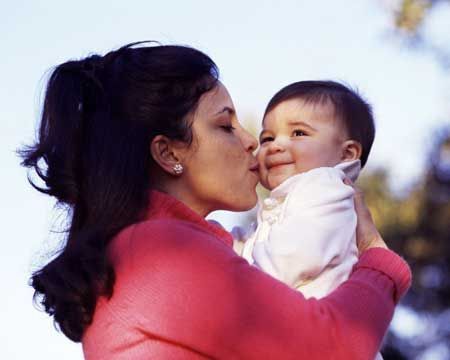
[
  {"x": 166, "y": 153},
  {"x": 351, "y": 150}
]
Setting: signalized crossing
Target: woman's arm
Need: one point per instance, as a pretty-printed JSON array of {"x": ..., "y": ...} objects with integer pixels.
[
  {"x": 190, "y": 289},
  {"x": 367, "y": 234}
]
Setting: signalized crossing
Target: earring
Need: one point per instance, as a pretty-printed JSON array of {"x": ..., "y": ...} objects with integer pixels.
[{"x": 178, "y": 169}]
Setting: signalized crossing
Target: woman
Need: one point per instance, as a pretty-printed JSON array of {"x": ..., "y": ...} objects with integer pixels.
[{"x": 141, "y": 144}]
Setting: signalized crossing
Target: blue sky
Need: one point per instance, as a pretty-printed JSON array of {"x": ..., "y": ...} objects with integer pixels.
[{"x": 259, "y": 46}]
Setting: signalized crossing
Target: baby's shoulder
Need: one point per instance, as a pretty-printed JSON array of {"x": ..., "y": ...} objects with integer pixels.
[
  {"x": 318, "y": 186},
  {"x": 318, "y": 178},
  {"x": 325, "y": 174}
]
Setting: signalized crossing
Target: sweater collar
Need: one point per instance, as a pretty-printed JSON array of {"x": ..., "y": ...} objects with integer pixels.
[{"x": 162, "y": 205}]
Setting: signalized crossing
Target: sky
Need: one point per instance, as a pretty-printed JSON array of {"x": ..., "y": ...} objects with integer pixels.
[{"x": 259, "y": 46}]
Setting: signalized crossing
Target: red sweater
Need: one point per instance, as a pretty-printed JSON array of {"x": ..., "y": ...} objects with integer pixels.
[{"x": 182, "y": 293}]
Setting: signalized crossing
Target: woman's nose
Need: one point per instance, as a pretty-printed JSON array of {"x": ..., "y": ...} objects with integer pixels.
[{"x": 249, "y": 141}]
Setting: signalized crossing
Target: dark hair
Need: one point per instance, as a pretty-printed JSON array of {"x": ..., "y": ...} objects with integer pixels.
[
  {"x": 350, "y": 107},
  {"x": 92, "y": 152}
]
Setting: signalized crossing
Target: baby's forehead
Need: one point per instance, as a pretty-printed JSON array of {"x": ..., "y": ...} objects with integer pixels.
[{"x": 295, "y": 110}]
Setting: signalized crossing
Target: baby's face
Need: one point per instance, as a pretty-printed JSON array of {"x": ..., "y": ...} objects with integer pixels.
[{"x": 297, "y": 137}]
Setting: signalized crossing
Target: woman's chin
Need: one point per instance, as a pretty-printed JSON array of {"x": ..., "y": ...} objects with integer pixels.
[{"x": 245, "y": 203}]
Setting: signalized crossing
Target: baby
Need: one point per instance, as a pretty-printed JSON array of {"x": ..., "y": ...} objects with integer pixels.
[{"x": 315, "y": 134}]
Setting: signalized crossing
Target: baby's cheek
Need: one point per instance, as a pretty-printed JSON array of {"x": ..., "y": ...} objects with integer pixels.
[
  {"x": 259, "y": 156},
  {"x": 263, "y": 179},
  {"x": 260, "y": 174}
]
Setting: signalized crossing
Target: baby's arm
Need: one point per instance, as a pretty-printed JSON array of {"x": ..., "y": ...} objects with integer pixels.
[{"x": 316, "y": 232}]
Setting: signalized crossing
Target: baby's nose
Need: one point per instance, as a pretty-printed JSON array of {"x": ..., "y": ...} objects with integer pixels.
[{"x": 277, "y": 145}]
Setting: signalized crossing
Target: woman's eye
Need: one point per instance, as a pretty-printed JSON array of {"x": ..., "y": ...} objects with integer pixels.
[
  {"x": 228, "y": 128},
  {"x": 265, "y": 139},
  {"x": 299, "y": 133}
]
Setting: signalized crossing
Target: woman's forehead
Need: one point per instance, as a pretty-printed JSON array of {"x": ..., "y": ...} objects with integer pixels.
[{"x": 215, "y": 101}]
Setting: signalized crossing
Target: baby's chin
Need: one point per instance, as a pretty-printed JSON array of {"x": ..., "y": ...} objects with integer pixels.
[{"x": 270, "y": 182}]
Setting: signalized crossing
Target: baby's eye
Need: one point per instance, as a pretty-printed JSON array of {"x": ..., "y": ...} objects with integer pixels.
[
  {"x": 265, "y": 139},
  {"x": 299, "y": 133}
]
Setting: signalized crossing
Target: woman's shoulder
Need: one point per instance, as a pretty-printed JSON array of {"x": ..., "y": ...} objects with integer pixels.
[
  {"x": 152, "y": 257},
  {"x": 166, "y": 227},
  {"x": 165, "y": 239},
  {"x": 173, "y": 231}
]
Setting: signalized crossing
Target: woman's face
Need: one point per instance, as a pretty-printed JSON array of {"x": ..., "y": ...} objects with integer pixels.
[{"x": 220, "y": 171}]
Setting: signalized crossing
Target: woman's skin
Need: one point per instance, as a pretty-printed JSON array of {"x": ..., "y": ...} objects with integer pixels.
[
  {"x": 367, "y": 235},
  {"x": 220, "y": 170}
]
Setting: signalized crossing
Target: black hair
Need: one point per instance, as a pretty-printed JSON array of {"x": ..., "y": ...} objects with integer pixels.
[
  {"x": 350, "y": 107},
  {"x": 99, "y": 116}
]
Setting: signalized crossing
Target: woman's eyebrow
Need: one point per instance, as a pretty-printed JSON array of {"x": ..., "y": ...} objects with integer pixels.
[{"x": 226, "y": 109}]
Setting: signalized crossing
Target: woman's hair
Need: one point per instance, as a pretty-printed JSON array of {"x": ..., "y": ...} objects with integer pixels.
[
  {"x": 93, "y": 155},
  {"x": 354, "y": 112}
]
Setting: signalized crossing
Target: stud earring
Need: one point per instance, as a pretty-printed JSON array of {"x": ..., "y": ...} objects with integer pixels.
[{"x": 178, "y": 169}]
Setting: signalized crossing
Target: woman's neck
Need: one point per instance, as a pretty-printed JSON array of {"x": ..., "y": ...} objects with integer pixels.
[{"x": 185, "y": 196}]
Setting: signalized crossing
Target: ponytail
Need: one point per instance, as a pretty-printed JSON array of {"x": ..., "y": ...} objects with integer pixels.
[
  {"x": 99, "y": 116},
  {"x": 70, "y": 284}
]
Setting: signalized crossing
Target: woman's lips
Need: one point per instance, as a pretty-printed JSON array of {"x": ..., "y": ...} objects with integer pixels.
[
  {"x": 254, "y": 167},
  {"x": 254, "y": 170}
]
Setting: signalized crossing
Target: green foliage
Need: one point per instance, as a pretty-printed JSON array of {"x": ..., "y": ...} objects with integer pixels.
[
  {"x": 393, "y": 215},
  {"x": 409, "y": 15},
  {"x": 417, "y": 226},
  {"x": 410, "y": 21}
]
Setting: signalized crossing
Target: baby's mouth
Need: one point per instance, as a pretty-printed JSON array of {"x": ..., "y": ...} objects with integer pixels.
[{"x": 277, "y": 165}]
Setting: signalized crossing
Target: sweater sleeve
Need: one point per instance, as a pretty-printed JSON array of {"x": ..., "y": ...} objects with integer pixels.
[{"x": 190, "y": 289}]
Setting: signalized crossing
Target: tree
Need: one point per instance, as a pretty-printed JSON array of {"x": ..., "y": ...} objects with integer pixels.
[
  {"x": 418, "y": 225},
  {"x": 410, "y": 19}
]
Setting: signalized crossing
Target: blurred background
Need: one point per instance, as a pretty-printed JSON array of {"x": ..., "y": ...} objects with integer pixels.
[{"x": 395, "y": 52}]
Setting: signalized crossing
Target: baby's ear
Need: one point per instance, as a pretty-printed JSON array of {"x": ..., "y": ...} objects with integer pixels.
[{"x": 351, "y": 150}]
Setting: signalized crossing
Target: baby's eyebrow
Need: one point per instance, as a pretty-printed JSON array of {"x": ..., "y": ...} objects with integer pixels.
[
  {"x": 301, "y": 123},
  {"x": 263, "y": 132}
]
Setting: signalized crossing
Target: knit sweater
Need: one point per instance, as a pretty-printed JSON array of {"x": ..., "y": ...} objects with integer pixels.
[{"x": 181, "y": 292}]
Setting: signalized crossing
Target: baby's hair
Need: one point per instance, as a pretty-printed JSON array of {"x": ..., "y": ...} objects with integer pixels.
[{"x": 349, "y": 106}]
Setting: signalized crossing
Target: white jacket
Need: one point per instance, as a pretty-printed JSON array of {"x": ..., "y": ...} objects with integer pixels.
[{"x": 305, "y": 235}]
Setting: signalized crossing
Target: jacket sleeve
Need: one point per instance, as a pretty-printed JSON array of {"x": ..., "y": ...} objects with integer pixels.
[
  {"x": 190, "y": 289},
  {"x": 315, "y": 232}
]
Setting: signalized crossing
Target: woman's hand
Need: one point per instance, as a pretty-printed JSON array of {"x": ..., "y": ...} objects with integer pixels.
[{"x": 367, "y": 235}]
